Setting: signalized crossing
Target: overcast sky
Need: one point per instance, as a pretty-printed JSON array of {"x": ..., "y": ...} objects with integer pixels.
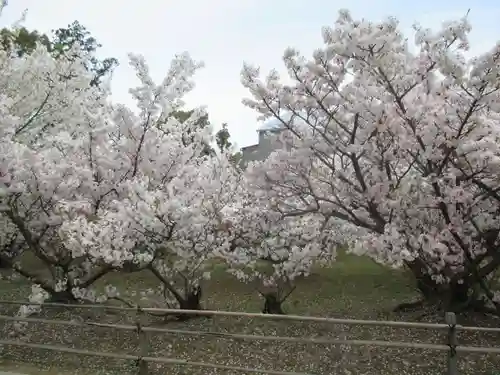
[{"x": 224, "y": 33}]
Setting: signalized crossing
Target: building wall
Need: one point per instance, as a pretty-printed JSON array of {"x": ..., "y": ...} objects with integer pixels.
[{"x": 267, "y": 144}]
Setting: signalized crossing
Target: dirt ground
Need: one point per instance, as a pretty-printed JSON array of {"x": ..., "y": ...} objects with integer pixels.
[{"x": 351, "y": 288}]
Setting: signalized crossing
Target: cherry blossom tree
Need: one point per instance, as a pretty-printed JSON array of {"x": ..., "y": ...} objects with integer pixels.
[
  {"x": 396, "y": 144},
  {"x": 45, "y": 117},
  {"x": 163, "y": 214},
  {"x": 168, "y": 222},
  {"x": 89, "y": 187},
  {"x": 268, "y": 249}
]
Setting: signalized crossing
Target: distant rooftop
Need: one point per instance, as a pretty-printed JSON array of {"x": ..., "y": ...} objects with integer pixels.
[
  {"x": 275, "y": 124},
  {"x": 272, "y": 124},
  {"x": 250, "y": 148}
]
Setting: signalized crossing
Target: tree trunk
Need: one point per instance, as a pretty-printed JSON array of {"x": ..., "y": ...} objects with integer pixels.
[
  {"x": 272, "y": 305},
  {"x": 451, "y": 296},
  {"x": 192, "y": 301},
  {"x": 64, "y": 296}
]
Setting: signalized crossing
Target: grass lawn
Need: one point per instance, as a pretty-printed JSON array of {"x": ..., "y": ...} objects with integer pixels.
[{"x": 353, "y": 287}]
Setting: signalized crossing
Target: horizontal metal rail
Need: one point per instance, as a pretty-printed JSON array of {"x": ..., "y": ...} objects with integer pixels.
[
  {"x": 300, "y": 318},
  {"x": 171, "y": 361},
  {"x": 237, "y": 336},
  {"x": 217, "y": 313}
]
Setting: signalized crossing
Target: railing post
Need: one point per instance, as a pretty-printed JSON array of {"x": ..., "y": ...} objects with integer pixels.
[
  {"x": 451, "y": 320},
  {"x": 142, "y": 365}
]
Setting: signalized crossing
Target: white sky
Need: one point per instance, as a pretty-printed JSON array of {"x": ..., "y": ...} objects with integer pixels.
[{"x": 224, "y": 33}]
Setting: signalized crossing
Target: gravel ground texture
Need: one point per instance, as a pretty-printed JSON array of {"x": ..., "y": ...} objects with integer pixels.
[{"x": 349, "y": 289}]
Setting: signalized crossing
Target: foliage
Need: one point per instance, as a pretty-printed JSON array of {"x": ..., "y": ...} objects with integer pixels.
[
  {"x": 22, "y": 41},
  {"x": 397, "y": 149},
  {"x": 222, "y": 138},
  {"x": 202, "y": 123},
  {"x": 224, "y": 144},
  {"x": 75, "y": 33}
]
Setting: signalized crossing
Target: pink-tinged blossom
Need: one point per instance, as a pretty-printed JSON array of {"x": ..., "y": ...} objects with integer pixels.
[{"x": 399, "y": 146}]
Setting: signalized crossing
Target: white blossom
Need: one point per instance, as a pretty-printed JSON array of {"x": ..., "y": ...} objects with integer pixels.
[{"x": 399, "y": 147}]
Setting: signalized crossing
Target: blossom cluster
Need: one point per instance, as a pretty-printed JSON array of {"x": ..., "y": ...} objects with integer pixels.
[
  {"x": 387, "y": 147},
  {"x": 396, "y": 142},
  {"x": 89, "y": 187}
]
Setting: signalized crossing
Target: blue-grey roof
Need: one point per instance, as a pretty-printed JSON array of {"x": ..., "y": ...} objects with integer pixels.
[
  {"x": 270, "y": 125},
  {"x": 274, "y": 123}
]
